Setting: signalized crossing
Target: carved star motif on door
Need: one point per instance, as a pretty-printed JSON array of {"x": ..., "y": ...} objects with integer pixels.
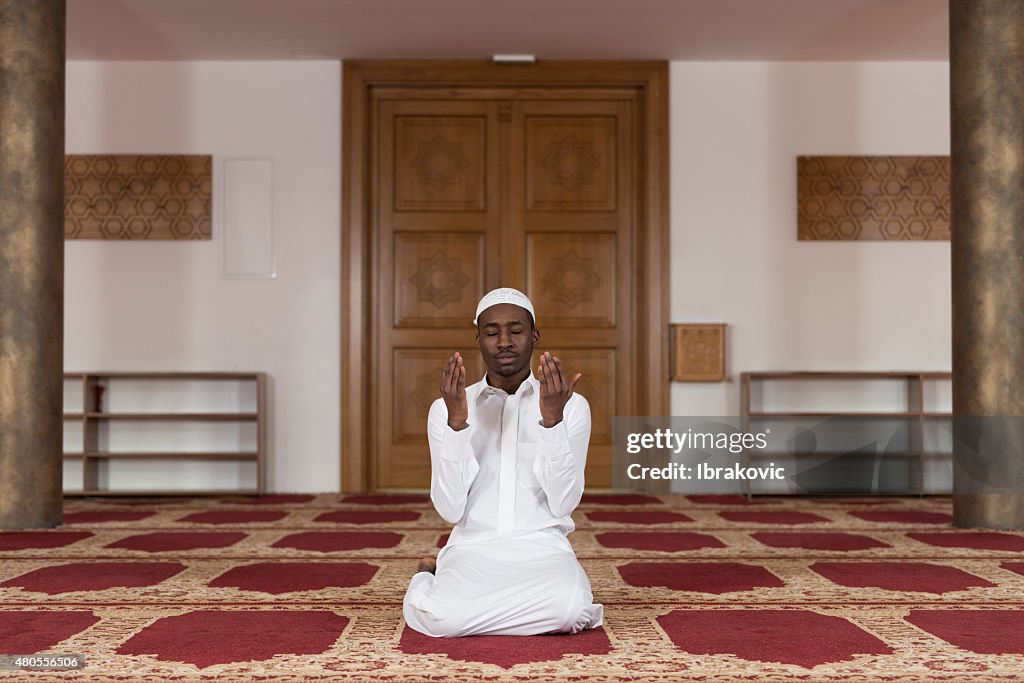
[
  {"x": 571, "y": 279},
  {"x": 439, "y": 162},
  {"x": 425, "y": 391},
  {"x": 571, "y": 162},
  {"x": 439, "y": 280}
]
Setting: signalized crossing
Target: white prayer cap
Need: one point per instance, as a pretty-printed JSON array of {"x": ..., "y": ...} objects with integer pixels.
[{"x": 504, "y": 295}]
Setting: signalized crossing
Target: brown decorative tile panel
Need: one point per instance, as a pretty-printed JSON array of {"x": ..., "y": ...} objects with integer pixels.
[
  {"x": 873, "y": 198},
  {"x": 698, "y": 352},
  {"x": 138, "y": 197}
]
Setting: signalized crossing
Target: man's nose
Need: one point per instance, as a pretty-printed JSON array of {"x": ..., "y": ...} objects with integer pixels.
[{"x": 504, "y": 339}]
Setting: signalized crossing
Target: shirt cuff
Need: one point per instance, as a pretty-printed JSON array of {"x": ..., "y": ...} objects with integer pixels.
[
  {"x": 455, "y": 444},
  {"x": 555, "y": 439}
]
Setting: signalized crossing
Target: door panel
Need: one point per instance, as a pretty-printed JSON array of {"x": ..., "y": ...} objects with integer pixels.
[
  {"x": 437, "y": 277},
  {"x": 597, "y": 385},
  {"x": 572, "y": 274},
  {"x": 570, "y": 163},
  {"x": 422, "y": 372},
  {"x": 440, "y": 163}
]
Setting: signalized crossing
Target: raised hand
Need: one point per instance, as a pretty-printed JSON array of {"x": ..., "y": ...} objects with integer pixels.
[
  {"x": 555, "y": 389},
  {"x": 453, "y": 391}
]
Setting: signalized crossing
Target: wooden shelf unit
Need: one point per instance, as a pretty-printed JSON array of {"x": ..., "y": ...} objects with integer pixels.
[
  {"x": 914, "y": 412},
  {"x": 93, "y": 415}
]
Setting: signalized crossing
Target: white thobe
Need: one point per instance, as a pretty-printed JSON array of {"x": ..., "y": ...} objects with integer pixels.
[{"x": 509, "y": 485}]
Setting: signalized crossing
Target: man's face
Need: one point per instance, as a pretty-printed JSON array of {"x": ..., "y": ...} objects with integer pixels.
[{"x": 505, "y": 337}]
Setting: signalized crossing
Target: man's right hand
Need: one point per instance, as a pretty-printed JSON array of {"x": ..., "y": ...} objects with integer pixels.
[{"x": 453, "y": 391}]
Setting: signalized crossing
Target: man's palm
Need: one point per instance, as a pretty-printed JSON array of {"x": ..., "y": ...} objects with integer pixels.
[
  {"x": 453, "y": 391},
  {"x": 555, "y": 389}
]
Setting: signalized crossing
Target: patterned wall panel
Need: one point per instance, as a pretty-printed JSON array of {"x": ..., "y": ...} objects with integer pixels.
[
  {"x": 440, "y": 163},
  {"x": 571, "y": 278},
  {"x": 439, "y": 278},
  {"x": 138, "y": 197},
  {"x": 873, "y": 198},
  {"x": 571, "y": 163},
  {"x": 417, "y": 377}
]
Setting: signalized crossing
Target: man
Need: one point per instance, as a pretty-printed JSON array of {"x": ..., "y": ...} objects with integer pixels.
[{"x": 507, "y": 456}]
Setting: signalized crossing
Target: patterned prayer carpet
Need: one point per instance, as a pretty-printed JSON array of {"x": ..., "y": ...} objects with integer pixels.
[{"x": 708, "y": 588}]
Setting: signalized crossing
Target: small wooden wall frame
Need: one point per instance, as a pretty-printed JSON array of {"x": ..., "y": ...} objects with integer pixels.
[
  {"x": 698, "y": 352},
  {"x": 138, "y": 197}
]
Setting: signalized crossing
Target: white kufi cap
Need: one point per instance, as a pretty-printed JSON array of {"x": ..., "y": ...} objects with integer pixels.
[{"x": 504, "y": 295}]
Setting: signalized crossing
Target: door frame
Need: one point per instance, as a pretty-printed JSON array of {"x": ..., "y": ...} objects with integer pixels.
[{"x": 650, "y": 78}]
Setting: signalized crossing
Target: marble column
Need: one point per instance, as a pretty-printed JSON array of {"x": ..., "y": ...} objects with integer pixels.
[
  {"x": 987, "y": 121},
  {"x": 31, "y": 262}
]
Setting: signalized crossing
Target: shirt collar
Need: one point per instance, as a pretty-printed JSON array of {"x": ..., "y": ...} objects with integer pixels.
[{"x": 529, "y": 386}]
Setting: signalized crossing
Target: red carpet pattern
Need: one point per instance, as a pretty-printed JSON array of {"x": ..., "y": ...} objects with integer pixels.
[{"x": 695, "y": 588}]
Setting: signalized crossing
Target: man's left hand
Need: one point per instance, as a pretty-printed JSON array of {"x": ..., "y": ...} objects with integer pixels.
[{"x": 555, "y": 389}]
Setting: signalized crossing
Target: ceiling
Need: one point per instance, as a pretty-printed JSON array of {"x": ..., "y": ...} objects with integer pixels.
[{"x": 788, "y": 30}]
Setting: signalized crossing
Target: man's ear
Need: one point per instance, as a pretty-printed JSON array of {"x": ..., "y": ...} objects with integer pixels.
[
  {"x": 536, "y": 335},
  {"x": 477, "y": 337}
]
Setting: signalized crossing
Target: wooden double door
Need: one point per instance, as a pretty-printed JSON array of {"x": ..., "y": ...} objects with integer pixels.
[{"x": 481, "y": 186}]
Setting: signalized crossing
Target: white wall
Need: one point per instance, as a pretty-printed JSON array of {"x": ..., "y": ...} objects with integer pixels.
[
  {"x": 164, "y": 305},
  {"x": 736, "y": 130}
]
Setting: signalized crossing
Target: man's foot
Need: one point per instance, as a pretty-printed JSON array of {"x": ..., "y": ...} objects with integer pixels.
[{"x": 427, "y": 564}]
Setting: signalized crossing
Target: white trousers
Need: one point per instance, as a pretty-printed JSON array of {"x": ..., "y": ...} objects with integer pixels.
[{"x": 509, "y": 586}]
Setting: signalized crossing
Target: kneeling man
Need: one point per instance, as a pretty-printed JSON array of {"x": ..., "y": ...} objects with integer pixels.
[{"x": 507, "y": 456}]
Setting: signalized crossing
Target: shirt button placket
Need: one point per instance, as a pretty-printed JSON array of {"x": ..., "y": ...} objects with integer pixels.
[{"x": 507, "y": 470}]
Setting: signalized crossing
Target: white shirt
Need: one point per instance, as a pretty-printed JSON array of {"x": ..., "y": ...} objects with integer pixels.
[{"x": 506, "y": 474}]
